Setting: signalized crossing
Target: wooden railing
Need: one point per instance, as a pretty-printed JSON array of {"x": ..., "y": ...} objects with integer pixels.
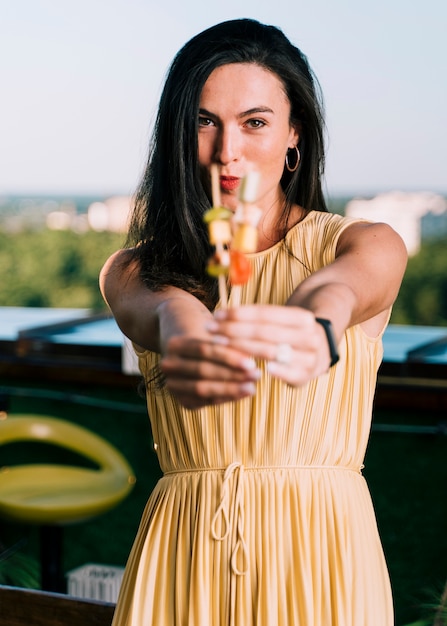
[{"x": 25, "y": 607}]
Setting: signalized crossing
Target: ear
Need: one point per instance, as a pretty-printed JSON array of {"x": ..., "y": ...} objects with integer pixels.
[{"x": 294, "y": 135}]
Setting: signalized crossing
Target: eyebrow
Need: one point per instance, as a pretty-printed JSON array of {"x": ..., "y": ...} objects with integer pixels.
[{"x": 258, "y": 109}]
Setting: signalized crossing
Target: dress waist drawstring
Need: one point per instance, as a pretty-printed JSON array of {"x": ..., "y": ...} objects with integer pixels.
[
  {"x": 234, "y": 502},
  {"x": 231, "y": 504}
]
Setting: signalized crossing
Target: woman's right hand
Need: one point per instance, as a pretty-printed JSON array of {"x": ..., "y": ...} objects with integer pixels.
[{"x": 200, "y": 372}]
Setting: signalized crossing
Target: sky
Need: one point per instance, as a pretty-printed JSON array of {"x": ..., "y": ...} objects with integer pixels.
[{"x": 81, "y": 79}]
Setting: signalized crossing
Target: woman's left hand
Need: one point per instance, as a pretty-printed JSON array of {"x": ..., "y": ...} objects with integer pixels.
[{"x": 288, "y": 337}]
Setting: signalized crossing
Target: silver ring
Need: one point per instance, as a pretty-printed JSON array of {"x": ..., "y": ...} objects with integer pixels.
[{"x": 284, "y": 353}]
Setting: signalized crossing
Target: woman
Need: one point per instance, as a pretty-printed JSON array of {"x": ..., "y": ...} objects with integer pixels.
[{"x": 261, "y": 411}]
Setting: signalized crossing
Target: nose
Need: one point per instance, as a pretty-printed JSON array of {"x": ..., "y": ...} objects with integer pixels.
[{"x": 228, "y": 146}]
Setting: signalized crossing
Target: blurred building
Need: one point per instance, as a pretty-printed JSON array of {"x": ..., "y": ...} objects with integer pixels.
[
  {"x": 415, "y": 216},
  {"x": 111, "y": 214}
]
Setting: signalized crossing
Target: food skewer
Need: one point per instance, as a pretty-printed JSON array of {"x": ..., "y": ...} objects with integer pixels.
[
  {"x": 219, "y": 230},
  {"x": 245, "y": 233},
  {"x": 232, "y": 236}
]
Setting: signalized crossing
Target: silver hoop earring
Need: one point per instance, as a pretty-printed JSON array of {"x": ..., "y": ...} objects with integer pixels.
[{"x": 293, "y": 168}]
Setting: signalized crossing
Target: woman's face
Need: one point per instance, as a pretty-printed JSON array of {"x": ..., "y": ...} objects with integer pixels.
[{"x": 244, "y": 125}]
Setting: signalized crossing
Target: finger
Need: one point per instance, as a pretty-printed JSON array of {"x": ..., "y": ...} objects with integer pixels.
[
  {"x": 277, "y": 324},
  {"x": 215, "y": 351},
  {"x": 288, "y": 315},
  {"x": 187, "y": 368},
  {"x": 298, "y": 372},
  {"x": 198, "y": 393},
  {"x": 270, "y": 346}
]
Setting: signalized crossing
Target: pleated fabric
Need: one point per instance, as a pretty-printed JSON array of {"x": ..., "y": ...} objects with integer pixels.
[{"x": 262, "y": 516}]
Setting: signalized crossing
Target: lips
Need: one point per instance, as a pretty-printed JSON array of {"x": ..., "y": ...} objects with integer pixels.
[{"x": 229, "y": 183}]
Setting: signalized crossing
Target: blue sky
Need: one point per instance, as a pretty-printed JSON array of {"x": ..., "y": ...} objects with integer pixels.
[{"x": 81, "y": 80}]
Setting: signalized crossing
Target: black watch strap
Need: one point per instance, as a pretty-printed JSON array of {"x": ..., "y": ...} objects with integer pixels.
[{"x": 335, "y": 357}]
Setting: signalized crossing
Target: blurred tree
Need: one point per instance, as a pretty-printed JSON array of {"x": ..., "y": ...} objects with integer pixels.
[
  {"x": 54, "y": 268},
  {"x": 423, "y": 296}
]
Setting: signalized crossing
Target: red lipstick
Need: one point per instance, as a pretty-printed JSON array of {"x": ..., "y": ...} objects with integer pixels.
[{"x": 229, "y": 183}]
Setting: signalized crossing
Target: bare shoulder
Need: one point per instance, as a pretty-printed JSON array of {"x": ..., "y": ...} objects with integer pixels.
[
  {"x": 372, "y": 238},
  {"x": 375, "y": 251},
  {"x": 119, "y": 265},
  {"x": 118, "y": 259},
  {"x": 372, "y": 257}
]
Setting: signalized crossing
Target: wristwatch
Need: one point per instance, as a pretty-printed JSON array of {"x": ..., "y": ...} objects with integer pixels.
[{"x": 327, "y": 326}]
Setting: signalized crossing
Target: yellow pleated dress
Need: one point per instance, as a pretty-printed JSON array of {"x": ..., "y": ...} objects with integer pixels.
[{"x": 262, "y": 516}]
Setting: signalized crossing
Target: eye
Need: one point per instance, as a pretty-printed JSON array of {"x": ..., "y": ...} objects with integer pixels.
[
  {"x": 205, "y": 121},
  {"x": 255, "y": 123}
]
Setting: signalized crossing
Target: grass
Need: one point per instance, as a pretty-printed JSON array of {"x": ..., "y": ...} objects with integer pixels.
[{"x": 406, "y": 474}]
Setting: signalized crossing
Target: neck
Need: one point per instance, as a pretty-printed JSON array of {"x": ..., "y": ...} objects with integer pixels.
[{"x": 272, "y": 227}]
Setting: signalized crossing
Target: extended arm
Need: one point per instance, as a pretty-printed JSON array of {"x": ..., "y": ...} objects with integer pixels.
[
  {"x": 147, "y": 317},
  {"x": 359, "y": 287},
  {"x": 361, "y": 284},
  {"x": 198, "y": 370}
]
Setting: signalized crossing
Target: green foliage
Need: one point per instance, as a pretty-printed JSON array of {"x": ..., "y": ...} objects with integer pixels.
[
  {"x": 18, "y": 569},
  {"x": 54, "y": 268},
  {"x": 423, "y": 296},
  {"x": 435, "y": 611}
]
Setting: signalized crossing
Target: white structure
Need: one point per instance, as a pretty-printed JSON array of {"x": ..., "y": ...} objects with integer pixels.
[
  {"x": 405, "y": 212},
  {"x": 129, "y": 359},
  {"x": 95, "y": 582},
  {"x": 112, "y": 214}
]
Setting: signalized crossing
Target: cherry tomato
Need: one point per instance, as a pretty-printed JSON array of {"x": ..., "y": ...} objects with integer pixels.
[{"x": 240, "y": 267}]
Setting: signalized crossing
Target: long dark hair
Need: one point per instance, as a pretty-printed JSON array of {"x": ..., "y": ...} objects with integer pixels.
[{"x": 166, "y": 230}]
